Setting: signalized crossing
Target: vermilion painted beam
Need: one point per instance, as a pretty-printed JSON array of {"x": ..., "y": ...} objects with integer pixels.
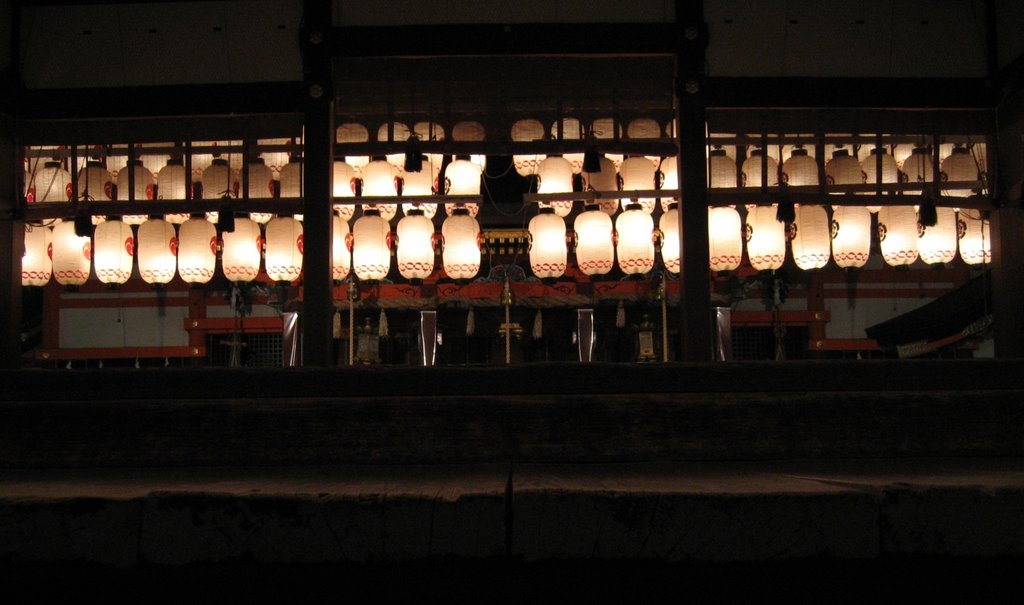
[
  {"x": 231, "y": 324},
  {"x": 119, "y": 353}
]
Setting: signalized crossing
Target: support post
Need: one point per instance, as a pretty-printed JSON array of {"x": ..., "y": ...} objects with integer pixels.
[
  {"x": 691, "y": 137},
  {"x": 318, "y": 140},
  {"x": 12, "y": 242},
  {"x": 1006, "y": 287}
]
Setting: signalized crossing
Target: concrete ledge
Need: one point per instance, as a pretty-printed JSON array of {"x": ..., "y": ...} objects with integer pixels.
[{"x": 707, "y": 513}]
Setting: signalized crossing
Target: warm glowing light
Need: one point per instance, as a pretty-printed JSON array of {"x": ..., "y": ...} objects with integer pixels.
[
  {"x": 554, "y": 175},
  {"x": 937, "y": 243},
  {"x": 810, "y": 242},
  {"x": 595, "y": 241},
  {"x": 725, "y": 235},
  {"x": 72, "y": 255},
  {"x": 460, "y": 234},
  {"x": 284, "y": 249},
  {"x": 36, "y": 266},
  {"x": 897, "y": 234},
  {"x": 158, "y": 249},
  {"x": 851, "y": 236},
  {"x": 371, "y": 253},
  {"x": 766, "y": 238},
  {"x": 635, "y": 239},
  {"x": 548, "y": 251},
  {"x": 415, "y": 253},
  {"x": 243, "y": 247},
  {"x": 197, "y": 251}
]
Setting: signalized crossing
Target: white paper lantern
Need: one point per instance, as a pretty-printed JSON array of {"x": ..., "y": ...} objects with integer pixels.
[
  {"x": 669, "y": 170},
  {"x": 290, "y": 178},
  {"x": 918, "y": 167},
  {"x": 554, "y": 175},
  {"x": 371, "y": 251},
  {"x": 766, "y": 238},
  {"x": 725, "y": 238},
  {"x": 572, "y": 130},
  {"x": 72, "y": 255},
  {"x": 261, "y": 187},
  {"x": 851, "y": 236},
  {"x": 897, "y": 234},
  {"x": 144, "y": 188},
  {"x": 94, "y": 183},
  {"x": 669, "y": 227},
  {"x": 36, "y": 266},
  {"x": 800, "y": 169},
  {"x": 638, "y": 174},
  {"x": 158, "y": 251},
  {"x": 341, "y": 253},
  {"x": 975, "y": 239},
  {"x": 937, "y": 243},
  {"x": 752, "y": 169},
  {"x": 197, "y": 251},
  {"x": 284, "y": 249},
  {"x": 113, "y": 252},
  {"x": 419, "y": 183},
  {"x": 723, "y": 169},
  {"x": 605, "y": 179},
  {"x": 462, "y": 177},
  {"x": 668, "y": 178},
  {"x": 171, "y": 185},
  {"x": 344, "y": 187},
  {"x": 890, "y": 172},
  {"x": 635, "y": 239},
  {"x": 843, "y": 169},
  {"x": 243, "y": 247},
  {"x": 595, "y": 241},
  {"x": 379, "y": 179},
  {"x": 523, "y": 131},
  {"x": 415, "y": 253},
  {"x": 959, "y": 166},
  {"x": 51, "y": 183},
  {"x": 219, "y": 181},
  {"x": 548, "y": 251},
  {"x": 810, "y": 242},
  {"x": 460, "y": 234}
]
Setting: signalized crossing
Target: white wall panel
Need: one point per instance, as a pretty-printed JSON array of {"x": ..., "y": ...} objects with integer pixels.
[{"x": 125, "y": 327}]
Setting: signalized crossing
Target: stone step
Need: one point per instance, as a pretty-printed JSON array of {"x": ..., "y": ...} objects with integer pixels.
[
  {"x": 448, "y": 429},
  {"x": 684, "y": 513}
]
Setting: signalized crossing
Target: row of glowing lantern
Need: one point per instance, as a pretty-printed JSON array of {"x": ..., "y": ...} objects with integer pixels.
[
  {"x": 554, "y": 175},
  {"x": 629, "y": 242},
  {"x": 52, "y": 183}
]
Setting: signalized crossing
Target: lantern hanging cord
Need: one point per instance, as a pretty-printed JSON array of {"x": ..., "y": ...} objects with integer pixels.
[{"x": 491, "y": 197}]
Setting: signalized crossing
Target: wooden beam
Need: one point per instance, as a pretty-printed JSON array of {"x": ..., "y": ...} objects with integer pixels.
[
  {"x": 192, "y": 100},
  {"x": 913, "y": 93},
  {"x": 118, "y": 353},
  {"x": 442, "y": 40}
]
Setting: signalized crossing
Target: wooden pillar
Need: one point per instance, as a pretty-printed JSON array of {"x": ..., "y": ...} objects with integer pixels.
[
  {"x": 1007, "y": 228},
  {"x": 691, "y": 137},
  {"x": 12, "y": 242},
  {"x": 317, "y": 304}
]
